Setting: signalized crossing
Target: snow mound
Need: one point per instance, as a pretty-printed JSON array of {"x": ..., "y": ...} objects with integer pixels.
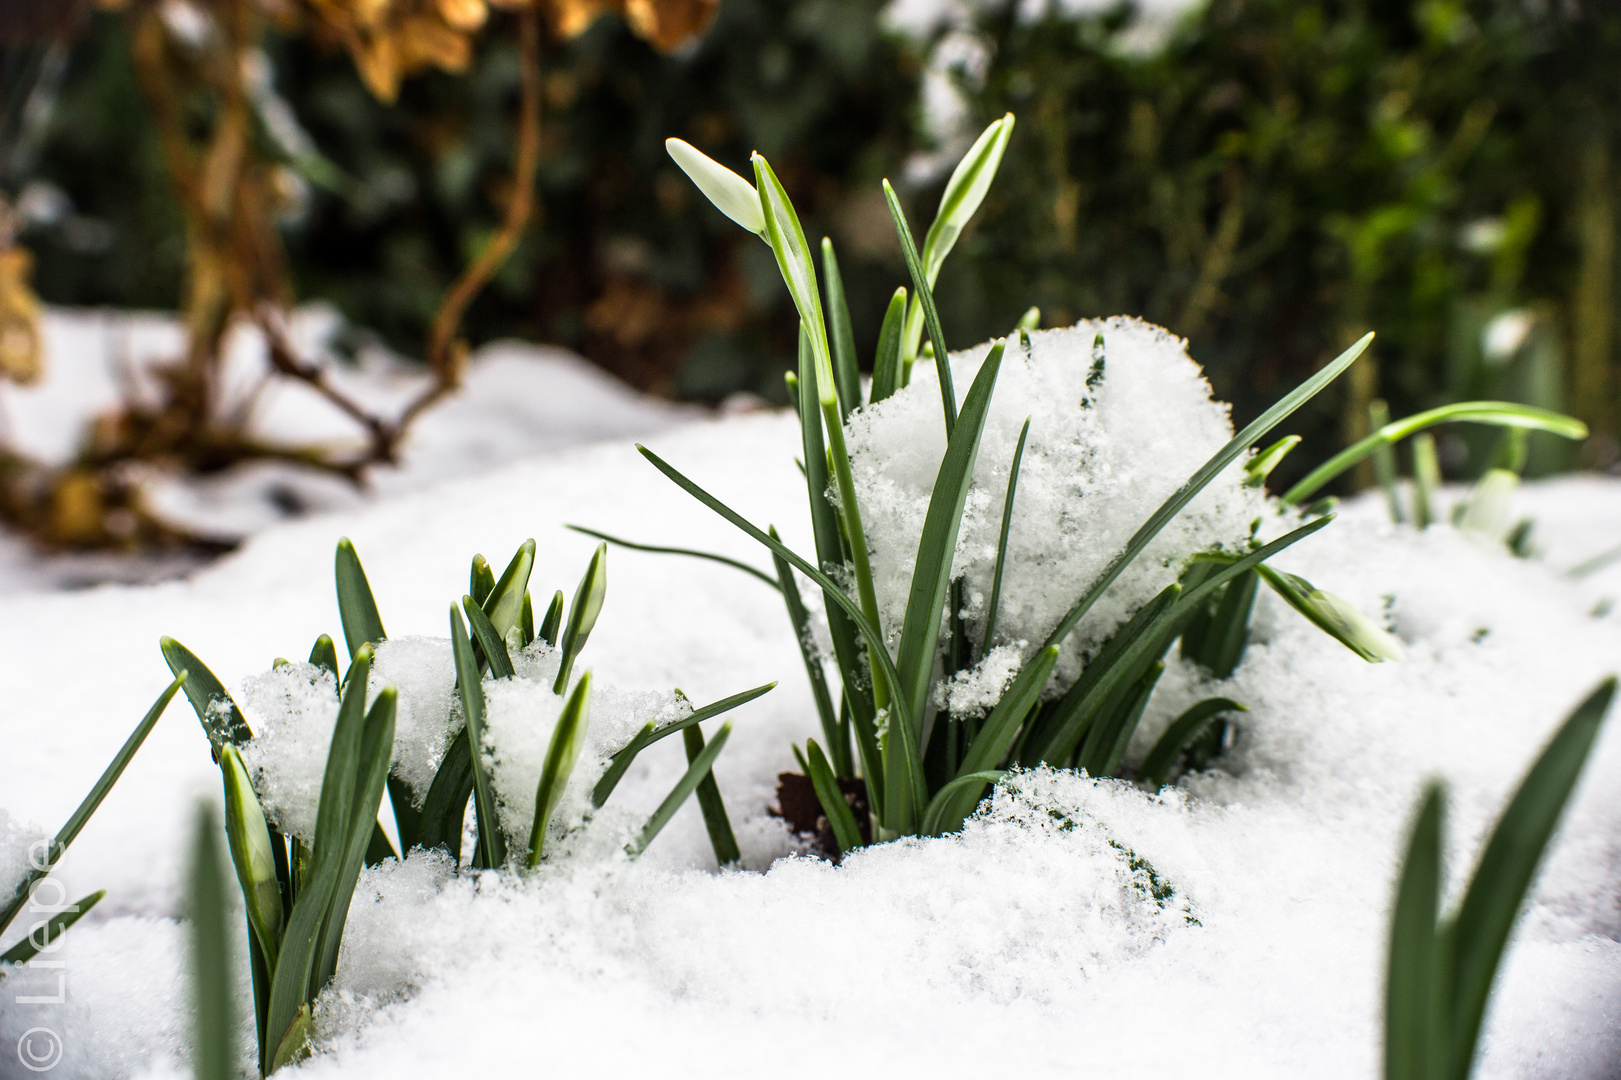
[
  {"x": 291, "y": 709},
  {"x": 422, "y": 670},
  {"x": 1114, "y": 431}
]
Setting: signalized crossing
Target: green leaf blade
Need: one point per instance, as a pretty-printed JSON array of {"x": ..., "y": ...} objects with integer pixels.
[
  {"x": 842, "y": 820},
  {"x": 568, "y": 739},
  {"x": 357, "y": 608},
  {"x": 1415, "y": 990},
  {"x": 1480, "y": 931},
  {"x": 1201, "y": 478},
  {"x": 492, "y": 852}
]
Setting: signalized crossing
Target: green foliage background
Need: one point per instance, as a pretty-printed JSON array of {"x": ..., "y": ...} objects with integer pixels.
[{"x": 1269, "y": 180}]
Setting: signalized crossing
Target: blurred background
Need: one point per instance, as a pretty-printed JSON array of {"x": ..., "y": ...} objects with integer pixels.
[{"x": 1269, "y": 178}]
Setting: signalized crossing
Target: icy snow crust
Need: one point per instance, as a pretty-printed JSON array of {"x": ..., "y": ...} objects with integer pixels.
[
  {"x": 1231, "y": 928},
  {"x": 1114, "y": 431}
]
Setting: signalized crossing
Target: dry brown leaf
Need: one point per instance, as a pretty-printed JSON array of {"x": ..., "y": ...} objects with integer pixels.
[{"x": 21, "y": 353}]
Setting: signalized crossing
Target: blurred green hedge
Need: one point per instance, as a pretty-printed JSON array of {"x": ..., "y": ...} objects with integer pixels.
[{"x": 1269, "y": 178}]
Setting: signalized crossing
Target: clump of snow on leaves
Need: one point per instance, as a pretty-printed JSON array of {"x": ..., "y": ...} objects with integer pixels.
[
  {"x": 422, "y": 670},
  {"x": 1114, "y": 431},
  {"x": 292, "y": 709}
]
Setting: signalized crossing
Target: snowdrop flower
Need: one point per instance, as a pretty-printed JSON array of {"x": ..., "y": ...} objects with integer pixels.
[{"x": 732, "y": 195}]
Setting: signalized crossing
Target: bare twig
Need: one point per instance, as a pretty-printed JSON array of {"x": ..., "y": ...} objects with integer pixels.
[{"x": 445, "y": 353}]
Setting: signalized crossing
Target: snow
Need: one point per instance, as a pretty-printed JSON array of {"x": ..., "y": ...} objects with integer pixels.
[
  {"x": 516, "y": 400},
  {"x": 1109, "y": 442},
  {"x": 1036, "y": 941},
  {"x": 291, "y": 710}
]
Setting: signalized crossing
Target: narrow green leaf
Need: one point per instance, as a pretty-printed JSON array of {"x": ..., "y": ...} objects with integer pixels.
[
  {"x": 76, "y": 821},
  {"x": 324, "y": 655},
  {"x": 259, "y": 979},
  {"x": 213, "y": 989},
  {"x": 684, "y": 787},
  {"x": 289, "y": 982},
  {"x": 935, "y": 818},
  {"x": 357, "y": 608},
  {"x": 489, "y": 641},
  {"x": 1115, "y": 736},
  {"x": 445, "y": 807},
  {"x": 492, "y": 848},
  {"x": 1228, "y": 632},
  {"x": 223, "y": 722},
  {"x": 875, "y": 642},
  {"x": 886, "y": 364},
  {"x": 814, "y": 673},
  {"x": 582, "y": 614},
  {"x": 716, "y": 823},
  {"x": 1426, "y": 480},
  {"x": 1415, "y": 987},
  {"x": 853, "y": 535},
  {"x": 480, "y": 580},
  {"x": 1156, "y": 638},
  {"x": 1073, "y": 712},
  {"x": 659, "y": 549},
  {"x": 376, "y": 752},
  {"x": 1335, "y": 617},
  {"x": 842, "y": 820},
  {"x": 1506, "y": 414},
  {"x": 988, "y": 638},
  {"x": 787, "y": 240},
  {"x": 649, "y": 735},
  {"x": 526, "y": 619},
  {"x": 1202, "y": 477},
  {"x": 964, "y": 193},
  {"x": 42, "y": 936},
  {"x": 1384, "y": 461},
  {"x": 553, "y": 620},
  {"x": 922, "y": 292},
  {"x": 342, "y": 765},
  {"x": 296, "y": 1044},
  {"x": 830, "y": 554},
  {"x": 1512, "y": 450},
  {"x": 931, "y": 572},
  {"x": 1480, "y": 931},
  {"x": 1030, "y": 320},
  {"x": 504, "y": 604},
  {"x": 1156, "y": 767},
  {"x": 846, "y": 370},
  {"x": 1261, "y": 465},
  {"x": 568, "y": 739},
  {"x": 251, "y": 854},
  {"x": 1488, "y": 512}
]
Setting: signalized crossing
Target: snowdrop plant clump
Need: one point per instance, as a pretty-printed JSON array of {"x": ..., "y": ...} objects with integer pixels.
[
  {"x": 1002, "y": 593},
  {"x": 490, "y": 716}
]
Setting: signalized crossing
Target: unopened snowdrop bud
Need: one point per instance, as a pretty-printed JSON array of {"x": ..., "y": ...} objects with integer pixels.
[
  {"x": 1346, "y": 622},
  {"x": 732, "y": 195},
  {"x": 251, "y": 852}
]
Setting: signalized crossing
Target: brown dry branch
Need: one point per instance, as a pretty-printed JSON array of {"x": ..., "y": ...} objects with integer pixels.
[{"x": 228, "y": 192}]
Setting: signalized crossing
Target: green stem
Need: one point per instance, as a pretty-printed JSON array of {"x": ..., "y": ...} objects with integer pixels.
[
  {"x": 1501, "y": 413},
  {"x": 865, "y": 593}
]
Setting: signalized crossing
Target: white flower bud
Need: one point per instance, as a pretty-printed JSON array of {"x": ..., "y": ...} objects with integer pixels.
[{"x": 732, "y": 195}]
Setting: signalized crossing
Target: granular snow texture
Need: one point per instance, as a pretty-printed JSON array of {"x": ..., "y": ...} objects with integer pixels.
[
  {"x": 1233, "y": 927},
  {"x": 1119, "y": 418}
]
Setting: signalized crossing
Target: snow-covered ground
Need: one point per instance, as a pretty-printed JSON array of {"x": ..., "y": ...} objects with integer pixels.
[
  {"x": 516, "y": 400},
  {"x": 1020, "y": 946}
]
